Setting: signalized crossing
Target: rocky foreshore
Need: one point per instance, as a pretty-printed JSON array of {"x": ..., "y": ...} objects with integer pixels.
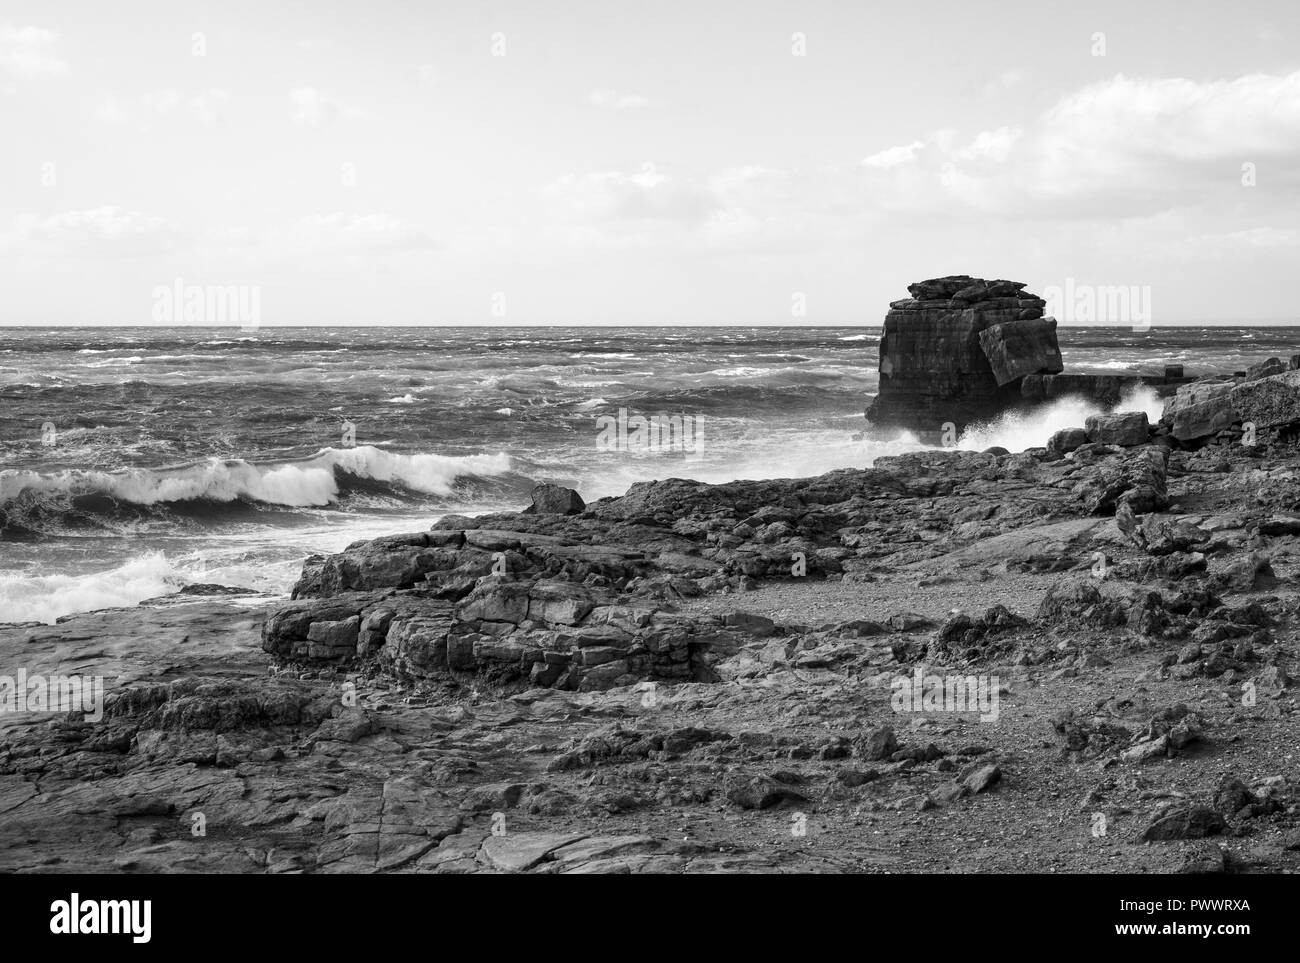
[{"x": 1073, "y": 658}]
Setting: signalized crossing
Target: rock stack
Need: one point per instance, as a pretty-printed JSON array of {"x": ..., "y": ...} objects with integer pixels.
[{"x": 956, "y": 350}]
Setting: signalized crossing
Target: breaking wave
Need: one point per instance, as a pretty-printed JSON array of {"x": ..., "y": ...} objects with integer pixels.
[
  {"x": 43, "y": 598},
  {"x": 30, "y": 501},
  {"x": 1016, "y": 431}
]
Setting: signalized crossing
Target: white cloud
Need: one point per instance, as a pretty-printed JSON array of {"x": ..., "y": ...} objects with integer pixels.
[
  {"x": 208, "y": 106},
  {"x": 994, "y": 145},
  {"x": 894, "y": 156},
  {"x": 614, "y": 100},
  {"x": 1121, "y": 147},
  {"x": 617, "y": 196},
  {"x": 351, "y": 234},
  {"x": 1251, "y": 242},
  {"x": 103, "y": 231},
  {"x": 315, "y": 108},
  {"x": 1120, "y": 150},
  {"x": 28, "y": 52},
  {"x": 1008, "y": 79},
  {"x": 113, "y": 232}
]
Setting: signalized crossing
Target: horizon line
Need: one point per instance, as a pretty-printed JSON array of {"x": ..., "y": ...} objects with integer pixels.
[{"x": 579, "y": 324}]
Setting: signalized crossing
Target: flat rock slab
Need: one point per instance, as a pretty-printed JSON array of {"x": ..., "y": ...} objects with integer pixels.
[
  {"x": 516, "y": 852},
  {"x": 602, "y": 847}
]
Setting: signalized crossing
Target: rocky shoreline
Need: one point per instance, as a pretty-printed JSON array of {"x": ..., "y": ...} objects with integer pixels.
[{"x": 729, "y": 678}]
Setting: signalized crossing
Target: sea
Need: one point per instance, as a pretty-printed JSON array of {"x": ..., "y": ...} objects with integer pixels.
[{"x": 135, "y": 461}]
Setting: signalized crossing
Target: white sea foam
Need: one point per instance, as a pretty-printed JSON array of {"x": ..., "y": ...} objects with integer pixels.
[
  {"x": 43, "y": 598},
  {"x": 1016, "y": 431},
  {"x": 803, "y": 454},
  {"x": 307, "y": 483}
]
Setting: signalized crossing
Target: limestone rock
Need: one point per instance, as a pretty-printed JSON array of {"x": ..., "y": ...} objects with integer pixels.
[
  {"x": 1067, "y": 440},
  {"x": 556, "y": 500},
  {"x": 1126, "y": 429},
  {"x": 1184, "y": 822},
  {"x": 1202, "y": 409},
  {"x": 933, "y": 367},
  {"x": 1018, "y": 348}
]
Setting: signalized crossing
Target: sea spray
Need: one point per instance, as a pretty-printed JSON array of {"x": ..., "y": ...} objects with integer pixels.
[
  {"x": 43, "y": 598},
  {"x": 1018, "y": 430}
]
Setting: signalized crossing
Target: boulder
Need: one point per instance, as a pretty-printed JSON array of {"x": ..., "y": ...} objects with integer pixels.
[
  {"x": 765, "y": 792},
  {"x": 1184, "y": 822},
  {"x": 1067, "y": 440},
  {"x": 555, "y": 500},
  {"x": 1205, "y": 408},
  {"x": 1136, "y": 477},
  {"x": 1125, "y": 428},
  {"x": 878, "y": 744},
  {"x": 1018, "y": 348},
  {"x": 1265, "y": 369}
]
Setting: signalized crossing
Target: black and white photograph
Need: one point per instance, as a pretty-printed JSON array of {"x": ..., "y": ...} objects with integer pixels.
[{"x": 611, "y": 438}]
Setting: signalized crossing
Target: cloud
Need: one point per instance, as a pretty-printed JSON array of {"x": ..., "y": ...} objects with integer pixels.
[
  {"x": 351, "y": 234},
  {"x": 207, "y": 106},
  {"x": 992, "y": 145},
  {"x": 748, "y": 207},
  {"x": 647, "y": 195},
  {"x": 102, "y": 231},
  {"x": 1120, "y": 150},
  {"x": 894, "y": 156},
  {"x": 28, "y": 52},
  {"x": 614, "y": 100},
  {"x": 315, "y": 108},
  {"x": 1250, "y": 243},
  {"x": 1121, "y": 147},
  {"x": 1007, "y": 80},
  {"x": 114, "y": 232}
]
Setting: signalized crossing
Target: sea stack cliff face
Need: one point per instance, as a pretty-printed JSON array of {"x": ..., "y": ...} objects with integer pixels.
[{"x": 956, "y": 350}]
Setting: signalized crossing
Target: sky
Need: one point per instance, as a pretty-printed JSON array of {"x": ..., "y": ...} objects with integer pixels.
[{"x": 620, "y": 162}]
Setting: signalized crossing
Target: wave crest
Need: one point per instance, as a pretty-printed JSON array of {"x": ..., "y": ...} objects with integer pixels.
[{"x": 34, "y": 504}]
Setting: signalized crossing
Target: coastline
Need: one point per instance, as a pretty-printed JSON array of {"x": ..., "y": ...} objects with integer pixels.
[{"x": 1123, "y": 741}]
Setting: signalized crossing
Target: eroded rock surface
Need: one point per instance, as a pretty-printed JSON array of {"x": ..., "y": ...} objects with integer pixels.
[{"x": 733, "y": 678}]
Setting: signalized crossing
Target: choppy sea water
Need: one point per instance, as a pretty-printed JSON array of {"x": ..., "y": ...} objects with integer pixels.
[{"x": 136, "y": 460}]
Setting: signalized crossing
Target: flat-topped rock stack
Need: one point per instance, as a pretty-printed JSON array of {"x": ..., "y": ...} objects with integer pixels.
[
  {"x": 962, "y": 350},
  {"x": 955, "y": 351}
]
